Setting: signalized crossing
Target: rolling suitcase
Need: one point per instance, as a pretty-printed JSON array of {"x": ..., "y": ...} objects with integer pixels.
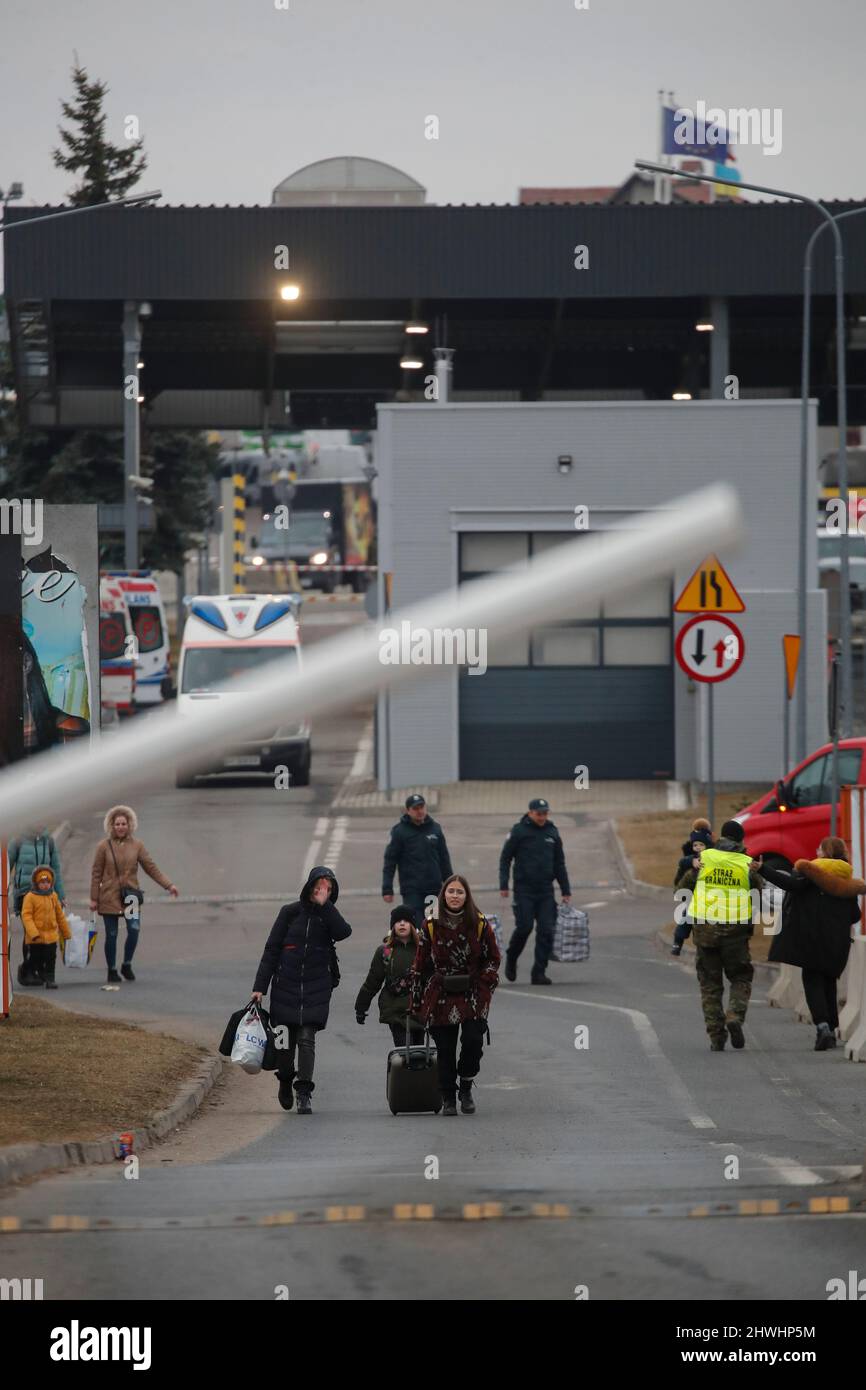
[{"x": 412, "y": 1082}]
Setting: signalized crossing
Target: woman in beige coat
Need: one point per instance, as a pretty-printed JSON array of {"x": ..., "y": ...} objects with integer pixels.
[{"x": 115, "y": 868}]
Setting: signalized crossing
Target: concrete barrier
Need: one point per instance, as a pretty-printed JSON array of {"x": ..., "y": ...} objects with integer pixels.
[
  {"x": 787, "y": 992},
  {"x": 852, "y": 1014}
]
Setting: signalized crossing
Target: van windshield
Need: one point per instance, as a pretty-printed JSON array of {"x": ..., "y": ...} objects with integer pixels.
[{"x": 204, "y": 668}]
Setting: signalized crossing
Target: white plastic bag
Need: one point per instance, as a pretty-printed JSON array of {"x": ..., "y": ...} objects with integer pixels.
[
  {"x": 79, "y": 948},
  {"x": 250, "y": 1042}
]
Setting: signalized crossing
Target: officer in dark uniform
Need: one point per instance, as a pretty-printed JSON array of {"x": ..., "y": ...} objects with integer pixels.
[
  {"x": 418, "y": 852},
  {"x": 535, "y": 847}
]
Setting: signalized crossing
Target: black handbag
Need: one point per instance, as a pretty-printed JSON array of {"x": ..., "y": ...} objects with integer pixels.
[
  {"x": 456, "y": 984},
  {"x": 126, "y": 890}
]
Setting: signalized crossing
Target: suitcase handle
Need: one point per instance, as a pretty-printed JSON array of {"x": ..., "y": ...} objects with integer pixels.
[{"x": 426, "y": 1039}]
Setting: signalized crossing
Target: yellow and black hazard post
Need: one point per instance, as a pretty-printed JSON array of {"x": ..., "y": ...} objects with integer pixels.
[{"x": 239, "y": 530}]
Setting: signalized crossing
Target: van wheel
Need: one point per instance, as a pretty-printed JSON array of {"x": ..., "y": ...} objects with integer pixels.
[{"x": 184, "y": 779}]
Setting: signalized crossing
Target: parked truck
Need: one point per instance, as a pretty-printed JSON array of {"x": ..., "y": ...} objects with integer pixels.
[{"x": 328, "y": 530}]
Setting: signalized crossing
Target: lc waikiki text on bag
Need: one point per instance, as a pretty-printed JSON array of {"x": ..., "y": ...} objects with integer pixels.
[
  {"x": 571, "y": 935},
  {"x": 78, "y": 949},
  {"x": 234, "y": 1030},
  {"x": 250, "y": 1042}
]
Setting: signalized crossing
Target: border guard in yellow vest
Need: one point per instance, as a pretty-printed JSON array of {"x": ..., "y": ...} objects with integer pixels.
[{"x": 720, "y": 913}]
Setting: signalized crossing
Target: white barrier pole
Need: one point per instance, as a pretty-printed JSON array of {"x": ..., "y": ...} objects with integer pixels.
[{"x": 347, "y": 668}]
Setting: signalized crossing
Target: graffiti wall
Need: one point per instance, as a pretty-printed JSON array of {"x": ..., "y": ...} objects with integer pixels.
[{"x": 60, "y": 629}]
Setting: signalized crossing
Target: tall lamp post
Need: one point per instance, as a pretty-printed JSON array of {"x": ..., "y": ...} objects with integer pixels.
[{"x": 846, "y": 685}]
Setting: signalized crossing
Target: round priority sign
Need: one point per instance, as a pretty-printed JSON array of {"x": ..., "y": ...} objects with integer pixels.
[{"x": 710, "y": 648}]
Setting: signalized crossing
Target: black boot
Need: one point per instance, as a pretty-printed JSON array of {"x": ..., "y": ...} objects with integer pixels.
[
  {"x": 717, "y": 1044},
  {"x": 735, "y": 1028},
  {"x": 49, "y": 982},
  {"x": 286, "y": 1095},
  {"x": 510, "y": 967},
  {"x": 302, "y": 1091},
  {"x": 113, "y": 977},
  {"x": 825, "y": 1038},
  {"x": 126, "y": 971},
  {"x": 467, "y": 1104},
  {"x": 540, "y": 978},
  {"x": 449, "y": 1103}
]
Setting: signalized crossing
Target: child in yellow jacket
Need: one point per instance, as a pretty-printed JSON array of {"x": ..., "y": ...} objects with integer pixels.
[{"x": 44, "y": 923}]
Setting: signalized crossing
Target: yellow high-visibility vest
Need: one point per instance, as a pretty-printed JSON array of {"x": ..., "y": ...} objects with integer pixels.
[{"x": 721, "y": 893}]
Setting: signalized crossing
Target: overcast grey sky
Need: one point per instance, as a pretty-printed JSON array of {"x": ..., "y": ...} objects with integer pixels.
[{"x": 233, "y": 95}]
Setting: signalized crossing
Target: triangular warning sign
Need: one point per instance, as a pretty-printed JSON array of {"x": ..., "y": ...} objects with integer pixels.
[
  {"x": 710, "y": 590},
  {"x": 791, "y": 645}
]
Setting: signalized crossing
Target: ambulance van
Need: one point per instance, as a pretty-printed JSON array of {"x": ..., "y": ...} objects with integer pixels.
[
  {"x": 236, "y": 636},
  {"x": 133, "y": 597}
]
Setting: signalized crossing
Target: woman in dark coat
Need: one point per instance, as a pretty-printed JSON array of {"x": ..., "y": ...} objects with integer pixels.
[
  {"x": 819, "y": 910},
  {"x": 299, "y": 965},
  {"x": 455, "y": 972}
]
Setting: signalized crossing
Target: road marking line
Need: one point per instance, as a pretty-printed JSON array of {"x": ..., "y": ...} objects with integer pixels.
[
  {"x": 789, "y": 1170},
  {"x": 338, "y": 839},
  {"x": 649, "y": 1041},
  {"x": 362, "y": 765},
  {"x": 319, "y": 833}
]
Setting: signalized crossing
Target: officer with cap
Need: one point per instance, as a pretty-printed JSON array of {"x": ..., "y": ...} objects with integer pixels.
[
  {"x": 535, "y": 848},
  {"x": 418, "y": 852}
]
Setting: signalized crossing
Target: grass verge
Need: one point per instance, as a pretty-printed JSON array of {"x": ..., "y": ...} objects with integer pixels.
[
  {"x": 653, "y": 842},
  {"x": 66, "y": 1076}
]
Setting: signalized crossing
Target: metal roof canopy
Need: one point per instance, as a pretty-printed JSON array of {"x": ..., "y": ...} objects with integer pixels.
[{"x": 221, "y": 348}]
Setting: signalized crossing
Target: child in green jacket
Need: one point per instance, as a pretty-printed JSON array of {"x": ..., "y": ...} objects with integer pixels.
[{"x": 388, "y": 977}]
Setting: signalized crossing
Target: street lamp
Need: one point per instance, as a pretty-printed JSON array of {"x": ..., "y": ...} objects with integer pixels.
[{"x": 842, "y": 471}]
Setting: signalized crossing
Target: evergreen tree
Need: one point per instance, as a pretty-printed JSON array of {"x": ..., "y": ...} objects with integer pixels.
[
  {"x": 182, "y": 464},
  {"x": 107, "y": 171}
]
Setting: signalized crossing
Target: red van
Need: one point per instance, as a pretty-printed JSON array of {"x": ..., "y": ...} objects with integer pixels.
[{"x": 789, "y": 822}]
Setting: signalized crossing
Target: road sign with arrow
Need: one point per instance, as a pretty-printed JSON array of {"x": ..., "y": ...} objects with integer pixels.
[
  {"x": 710, "y": 648},
  {"x": 710, "y": 590}
]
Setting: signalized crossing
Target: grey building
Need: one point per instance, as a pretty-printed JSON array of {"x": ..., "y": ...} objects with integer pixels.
[{"x": 467, "y": 489}]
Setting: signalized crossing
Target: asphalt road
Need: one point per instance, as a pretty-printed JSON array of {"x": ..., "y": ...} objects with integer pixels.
[{"x": 624, "y": 1136}]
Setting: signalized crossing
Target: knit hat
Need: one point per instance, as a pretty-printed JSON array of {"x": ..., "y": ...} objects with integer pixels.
[
  {"x": 704, "y": 837},
  {"x": 403, "y": 914},
  {"x": 732, "y": 830}
]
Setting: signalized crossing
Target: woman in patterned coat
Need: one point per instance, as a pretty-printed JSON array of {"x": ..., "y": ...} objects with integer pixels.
[{"x": 455, "y": 972}]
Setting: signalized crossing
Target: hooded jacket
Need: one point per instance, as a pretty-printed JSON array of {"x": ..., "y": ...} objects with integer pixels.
[
  {"x": 538, "y": 859},
  {"x": 388, "y": 977},
  {"x": 820, "y": 907},
  {"x": 420, "y": 854},
  {"x": 296, "y": 964},
  {"x": 129, "y": 854},
  {"x": 43, "y": 918},
  {"x": 24, "y": 855}
]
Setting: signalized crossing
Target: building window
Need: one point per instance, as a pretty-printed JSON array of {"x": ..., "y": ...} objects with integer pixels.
[{"x": 631, "y": 630}]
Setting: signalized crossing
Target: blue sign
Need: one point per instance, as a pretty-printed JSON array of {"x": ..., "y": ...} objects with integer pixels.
[{"x": 698, "y": 133}]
